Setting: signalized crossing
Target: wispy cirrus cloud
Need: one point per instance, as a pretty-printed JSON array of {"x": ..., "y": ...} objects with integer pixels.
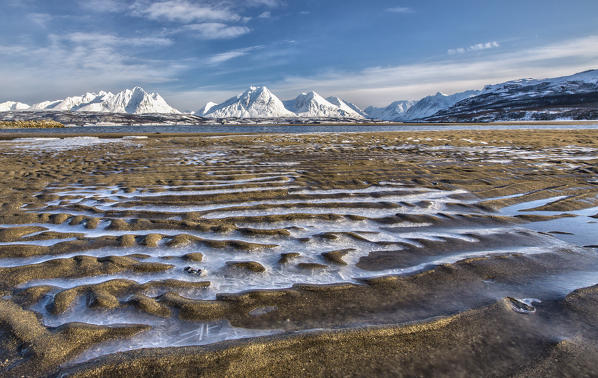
[
  {"x": 476, "y": 47},
  {"x": 265, "y": 3},
  {"x": 217, "y": 30},
  {"x": 184, "y": 11},
  {"x": 104, "y": 6},
  {"x": 40, "y": 19},
  {"x": 403, "y": 10},
  {"x": 232, "y": 54},
  {"x": 100, "y": 39}
]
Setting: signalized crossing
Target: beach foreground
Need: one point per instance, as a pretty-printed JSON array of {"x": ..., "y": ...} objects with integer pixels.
[{"x": 421, "y": 253}]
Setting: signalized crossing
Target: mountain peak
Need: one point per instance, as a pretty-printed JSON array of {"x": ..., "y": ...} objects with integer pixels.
[
  {"x": 205, "y": 109},
  {"x": 312, "y": 105},
  {"x": 396, "y": 111},
  {"x": 255, "y": 102}
]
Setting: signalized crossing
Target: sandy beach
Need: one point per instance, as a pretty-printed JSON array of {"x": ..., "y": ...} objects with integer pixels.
[{"x": 334, "y": 254}]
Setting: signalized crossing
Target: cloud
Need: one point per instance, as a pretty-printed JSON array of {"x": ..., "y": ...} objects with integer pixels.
[
  {"x": 228, "y": 55},
  {"x": 99, "y": 39},
  {"x": 183, "y": 11},
  {"x": 266, "y": 3},
  {"x": 79, "y": 62},
  {"x": 104, "y": 6},
  {"x": 26, "y": 4},
  {"x": 41, "y": 19},
  {"x": 403, "y": 10},
  {"x": 266, "y": 14},
  {"x": 476, "y": 47},
  {"x": 216, "y": 30},
  {"x": 381, "y": 85}
]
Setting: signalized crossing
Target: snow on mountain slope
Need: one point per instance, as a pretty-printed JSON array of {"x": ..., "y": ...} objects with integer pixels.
[
  {"x": 256, "y": 102},
  {"x": 45, "y": 105},
  {"x": 69, "y": 103},
  {"x": 431, "y": 105},
  {"x": 12, "y": 105},
  {"x": 393, "y": 112},
  {"x": 135, "y": 101},
  {"x": 132, "y": 101},
  {"x": 566, "y": 97},
  {"x": 586, "y": 81},
  {"x": 205, "y": 109},
  {"x": 315, "y": 106},
  {"x": 346, "y": 106}
]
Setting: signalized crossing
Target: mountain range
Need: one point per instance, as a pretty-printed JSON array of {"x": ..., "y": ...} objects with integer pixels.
[
  {"x": 131, "y": 101},
  {"x": 260, "y": 102},
  {"x": 567, "y": 97},
  {"x": 572, "y": 97}
]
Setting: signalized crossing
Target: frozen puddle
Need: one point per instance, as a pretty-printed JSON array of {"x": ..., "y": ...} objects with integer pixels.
[
  {"x": 172, "y": 333},
  {"x": 61, "y": 144},
  {"x": 579, "y": 228}
]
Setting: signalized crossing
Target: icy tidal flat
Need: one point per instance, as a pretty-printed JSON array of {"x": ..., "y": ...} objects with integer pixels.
[{"x": 113, "y": 245}]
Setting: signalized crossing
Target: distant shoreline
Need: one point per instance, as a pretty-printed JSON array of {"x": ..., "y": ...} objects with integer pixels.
[{"x": 166, "y": 131}]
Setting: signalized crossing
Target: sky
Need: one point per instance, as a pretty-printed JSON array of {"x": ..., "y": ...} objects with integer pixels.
[{"x": 367, "y": 52}]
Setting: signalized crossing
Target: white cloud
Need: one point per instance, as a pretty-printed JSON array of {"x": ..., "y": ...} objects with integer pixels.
[
  {"x": 400, "y": 10},
  {"x": 476, "y": 47},
  {"x": 113, "y": 40},
  {"x": 266, "y": 3},
  {"x": 228, "y": 55},
  {"x": 107, "y": 6},
  {"x": 183, "y": 11},
  {"x": 80, "y": 62},
  {"x": 41, "y": 19},
  {"x": 266, "y": 14},
  {"x": 484, "y": 46},
  {"x": 217, "y": 30}
]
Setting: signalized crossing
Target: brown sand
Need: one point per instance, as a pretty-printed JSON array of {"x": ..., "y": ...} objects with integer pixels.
[{"x": 450, "y": 319}]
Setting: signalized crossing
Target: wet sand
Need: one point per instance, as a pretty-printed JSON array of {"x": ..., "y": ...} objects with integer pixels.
[{"x": 453, "y": 253}]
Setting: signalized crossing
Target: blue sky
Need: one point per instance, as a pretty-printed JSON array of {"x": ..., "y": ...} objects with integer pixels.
[{"x": 369, "y": 52}]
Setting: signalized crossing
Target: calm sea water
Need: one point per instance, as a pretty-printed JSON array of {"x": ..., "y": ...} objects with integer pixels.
[{"x": 298, "y": 129}]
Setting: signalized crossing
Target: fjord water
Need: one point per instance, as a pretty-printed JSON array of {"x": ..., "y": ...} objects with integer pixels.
[{"x": 291, "y": 129}]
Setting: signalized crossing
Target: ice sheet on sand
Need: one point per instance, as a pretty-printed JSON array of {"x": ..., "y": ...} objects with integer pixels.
[
  {"x": 60, "y": 144},
  {"x": 171, "y": 333}
]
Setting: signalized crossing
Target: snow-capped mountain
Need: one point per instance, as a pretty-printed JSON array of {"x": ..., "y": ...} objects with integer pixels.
[
  {"x": 205, "y": 109},
  {"x": 12, "y": 105},
  {"x": 256, "y": 102},
  {"x": 313, "y": 105},
  {"x": 404, "y": 110},
  {"x": 259, "y": 102},
  {"x": 431, "y": 105},
  {"x": 138, "y": 101},
  {"x": 566, "y": 97},
  {"x": 394, "y": 111},
  {"x": 132, "y": 101},
  {"x": 69, "y": 103},
  {"x": 582, "y": 82}
]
